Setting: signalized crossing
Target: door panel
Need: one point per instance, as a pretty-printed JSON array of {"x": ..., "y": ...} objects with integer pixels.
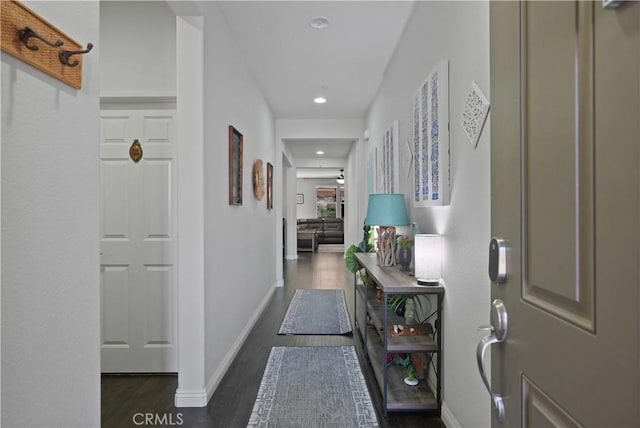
[
  {"x": 557, "y": 123},
  {"x": 159, "y": 303},
  {"x": 540, "y": 410},
  {"x": 158, "y": 199},
  {"x": 115, "y": 306},
  {"x": 138, "y": 244},
  {"x": 115, "y": 197},
  {"x": 565, "y": 185}
]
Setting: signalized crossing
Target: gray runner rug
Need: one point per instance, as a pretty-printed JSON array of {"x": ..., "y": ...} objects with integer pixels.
[
  {"x": 313, "y": 387},
  {"x": 316, "y": 312}
]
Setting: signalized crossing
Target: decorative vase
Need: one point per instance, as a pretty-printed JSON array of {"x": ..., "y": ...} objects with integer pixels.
[{"x": 404, "y": 257}]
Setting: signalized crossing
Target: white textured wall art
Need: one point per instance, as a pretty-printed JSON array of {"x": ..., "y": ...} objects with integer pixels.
[{"x": 475, "y": 114}]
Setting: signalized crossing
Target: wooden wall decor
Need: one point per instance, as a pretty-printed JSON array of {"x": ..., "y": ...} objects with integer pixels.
[
  {"x": 258, "y": 179},
  {"x": 30, "y": 38}
]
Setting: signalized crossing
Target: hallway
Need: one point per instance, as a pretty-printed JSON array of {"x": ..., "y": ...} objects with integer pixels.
[{"x": 127, "y": 397}]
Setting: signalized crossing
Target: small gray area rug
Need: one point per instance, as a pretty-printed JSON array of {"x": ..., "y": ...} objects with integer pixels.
[
  {"x": 316, "y": 312},
  {"x": 313, "y": 387}
]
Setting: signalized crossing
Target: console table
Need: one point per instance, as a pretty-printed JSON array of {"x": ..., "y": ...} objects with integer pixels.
[{"x": 375, "y": 324}]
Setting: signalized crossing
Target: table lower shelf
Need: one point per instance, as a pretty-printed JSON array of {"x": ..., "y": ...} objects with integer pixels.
[{"x": 400, "y": 396}]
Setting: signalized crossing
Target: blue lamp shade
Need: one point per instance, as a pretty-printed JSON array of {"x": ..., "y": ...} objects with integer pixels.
[{"x": 386, "y": 209}]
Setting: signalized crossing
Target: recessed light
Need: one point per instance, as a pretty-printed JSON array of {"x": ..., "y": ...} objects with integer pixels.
[
  {"x": 319, "y": 152},
  {"x": 319, "y": 23},
  {"x": 320, "y": 100}
]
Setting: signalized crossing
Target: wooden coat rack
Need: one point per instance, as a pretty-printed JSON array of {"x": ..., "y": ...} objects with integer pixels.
[{"x": 30, "y": 38}]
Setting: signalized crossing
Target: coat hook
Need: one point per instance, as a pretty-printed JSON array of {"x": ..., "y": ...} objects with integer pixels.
[
  {"x": 65, "y": 55},
  {"x": 24, "y": 34}
]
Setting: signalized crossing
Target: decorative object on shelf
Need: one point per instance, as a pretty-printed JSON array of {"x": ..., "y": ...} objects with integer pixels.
[
  {"x": 474, "y": 114},
  {"x": 428, "y": 263},
  {"x": 300, "y": 198},
  {"x": 410, "y": 378},
  {"x": 269, "y": 186},
  {"x": 235, "y": 166},
  {"x": 431, "y": 139},
  {"x": 410, "y": 330},
  {"x": 404, "y": 258},
  {"x": 365, "y": 246},
  {"x": 396, "y": 304},
  {"x": 390, "y": 158},
  {"x": 258, "y": 179},
  {"x": 404, "y": 251},
  {"x": 420, "y": 362},
  {"x": 386, "y": 210},
  {"x": 410, "y": 311},
  {"x": 32, "y": 39}
]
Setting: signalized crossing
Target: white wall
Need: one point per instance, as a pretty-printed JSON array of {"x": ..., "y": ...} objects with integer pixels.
[
  {"x": 50, "y": 249},
  {"x": 307, "y": 186},
  {"x": 139, "y": 49},
  {"x": 240, "y": 241},
  {"x": 459, "y": 32}
]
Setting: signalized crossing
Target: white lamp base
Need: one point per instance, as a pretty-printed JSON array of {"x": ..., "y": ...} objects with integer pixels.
[{"x": 428, "y": 282}]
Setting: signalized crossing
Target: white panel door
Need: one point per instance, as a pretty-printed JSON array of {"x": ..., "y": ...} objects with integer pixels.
[{"x": 138, "y": 242}]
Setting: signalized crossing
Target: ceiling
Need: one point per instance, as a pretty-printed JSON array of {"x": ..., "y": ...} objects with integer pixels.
[{"x": 293, "y": 62}]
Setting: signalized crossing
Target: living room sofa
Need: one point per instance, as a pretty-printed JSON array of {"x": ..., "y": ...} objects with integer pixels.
[{"x": 327, "y": 230}]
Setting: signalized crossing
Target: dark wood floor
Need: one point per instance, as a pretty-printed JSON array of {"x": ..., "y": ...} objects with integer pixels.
[{"x": 125, "y": 397}]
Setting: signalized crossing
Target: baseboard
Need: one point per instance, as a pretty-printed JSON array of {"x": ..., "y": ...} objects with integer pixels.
[
  {"x": 447, "y": 417},
  {"x": 192, "y": 398},
  {"x": 292, "y": 257},
  {"x": 217, "y": 376},
  {"x": 280, "y": 283}
]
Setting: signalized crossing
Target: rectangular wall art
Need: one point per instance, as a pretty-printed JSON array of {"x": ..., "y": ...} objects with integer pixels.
[
  {"x": 390, "y": 168},
  {"x": 235, "y": 166},
  {"x": 431, "y": 139}
]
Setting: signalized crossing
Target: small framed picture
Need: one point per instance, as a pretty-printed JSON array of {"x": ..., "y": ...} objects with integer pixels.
[
  {"x": 269, "y": 186},
  {"x": 235, "y": 166},
  {"x": 300, "y": 198}
]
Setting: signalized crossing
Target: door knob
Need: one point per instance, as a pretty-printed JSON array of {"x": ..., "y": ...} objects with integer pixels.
[{"x": 498, "y": 334}]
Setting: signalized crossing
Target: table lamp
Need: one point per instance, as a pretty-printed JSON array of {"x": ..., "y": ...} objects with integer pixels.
[
  {"x": 428, "y": 259},
  {"x": 386, "y": 210}
]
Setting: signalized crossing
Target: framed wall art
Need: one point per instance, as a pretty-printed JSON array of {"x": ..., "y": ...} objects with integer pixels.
[
  {"x": 235, "y": 166},
  {"x": 431, "y": 139},
  {"x": 390, "y": 159},
  {"x": 269, "y": 186}
]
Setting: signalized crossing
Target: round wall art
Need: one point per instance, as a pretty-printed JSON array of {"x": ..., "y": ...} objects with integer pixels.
[{"x": 258, "y": 179}]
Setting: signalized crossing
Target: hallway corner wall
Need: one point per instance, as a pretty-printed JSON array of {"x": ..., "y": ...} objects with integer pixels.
[
  {"x": 240, "y": 241},
  {"x": 458, "y": 32},
  {"x": 50, "y": 249}
]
